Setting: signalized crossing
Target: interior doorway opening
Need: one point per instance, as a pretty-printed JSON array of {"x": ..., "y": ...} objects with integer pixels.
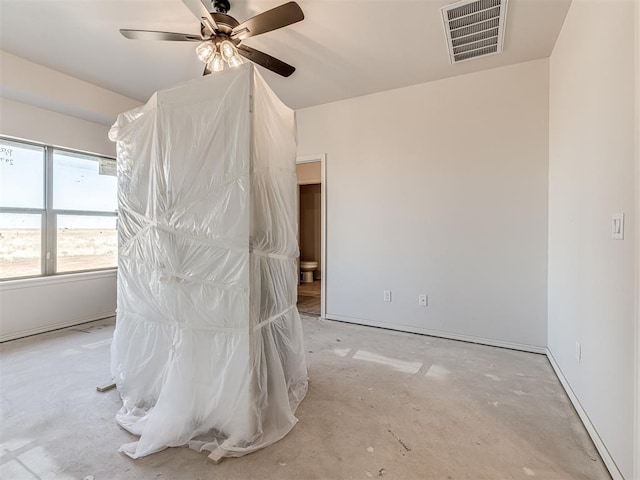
[{"x": 311, "y": 236}]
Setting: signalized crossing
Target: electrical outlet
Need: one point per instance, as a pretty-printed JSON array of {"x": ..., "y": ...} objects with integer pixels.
[
  {"x": 578, "y": 352},
  {"x": 422, "y": 300},
  {"x": 387, "y": 295}
]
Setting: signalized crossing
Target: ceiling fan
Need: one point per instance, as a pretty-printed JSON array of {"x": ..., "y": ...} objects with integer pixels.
[{"x": 221, "y": 35}]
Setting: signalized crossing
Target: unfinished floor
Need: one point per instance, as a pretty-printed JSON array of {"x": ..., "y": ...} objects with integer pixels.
[
  {"x": 380, "y": 404},
  {"x": 309, "y": 295}
]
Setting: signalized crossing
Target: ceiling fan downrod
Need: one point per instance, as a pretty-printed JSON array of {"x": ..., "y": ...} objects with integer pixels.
[{"x": 221, "y": 6}]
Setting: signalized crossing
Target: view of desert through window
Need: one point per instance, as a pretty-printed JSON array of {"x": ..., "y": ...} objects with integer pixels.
[
  {"x": 78, "y": 249},
  {"x": 81, "y": 201}
]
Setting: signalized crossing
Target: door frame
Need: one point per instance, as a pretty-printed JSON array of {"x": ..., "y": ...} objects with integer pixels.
[{"x": 322, "y": 158}]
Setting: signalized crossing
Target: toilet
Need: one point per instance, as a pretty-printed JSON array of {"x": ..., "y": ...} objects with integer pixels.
[{"x": 306, "y": 271}]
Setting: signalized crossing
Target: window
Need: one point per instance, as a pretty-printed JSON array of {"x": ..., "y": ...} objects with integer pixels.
[{"x": 58, "y": 211}]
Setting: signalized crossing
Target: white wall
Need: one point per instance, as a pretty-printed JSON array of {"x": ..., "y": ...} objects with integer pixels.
[
  {"x": 39, "y": 305},
  {"x": 32, "y": 84},
  {"x": 42, "y": 105},
  {"x": 439, "y": 188},
  {"x": 592, "y": 174},
  {"x": 28, "y": 122},
  {"x": 637, "y": 361}
]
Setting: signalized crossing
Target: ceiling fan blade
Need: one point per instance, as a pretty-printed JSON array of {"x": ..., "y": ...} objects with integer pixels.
[
  {"x": 202, "y": 14},
  {"x": 270, "y": 20},
  {"x": 267, "y": 61},
  {"x": 206, "y": 70},
  {"x": 154, "y": 35}
]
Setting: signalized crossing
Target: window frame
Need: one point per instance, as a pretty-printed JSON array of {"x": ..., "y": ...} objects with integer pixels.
[{"x": 49, "y": 215}]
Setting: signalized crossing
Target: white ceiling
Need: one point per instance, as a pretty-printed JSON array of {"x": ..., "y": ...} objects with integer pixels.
[{"x": 341, "y": 49}]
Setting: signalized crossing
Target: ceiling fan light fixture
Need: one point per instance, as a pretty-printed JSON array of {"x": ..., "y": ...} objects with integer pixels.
[
  {"x": 217, "y": 64},
  {"x": 235, "y": 61},
  {"x": 206, "y": 51},
  {"x": 228, "y": 50}
]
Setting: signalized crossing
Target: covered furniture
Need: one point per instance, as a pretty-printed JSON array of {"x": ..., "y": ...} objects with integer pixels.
[{"x": 208, "y": 348}]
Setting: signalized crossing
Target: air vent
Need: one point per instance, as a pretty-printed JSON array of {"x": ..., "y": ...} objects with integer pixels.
[{"x": 474, "y": 29}]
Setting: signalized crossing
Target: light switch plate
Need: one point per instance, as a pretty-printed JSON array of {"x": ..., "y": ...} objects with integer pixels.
[{"x": 617, "y": 226}]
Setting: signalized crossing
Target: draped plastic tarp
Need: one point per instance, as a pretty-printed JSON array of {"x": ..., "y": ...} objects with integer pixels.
[{"x": 208, "y": 347}]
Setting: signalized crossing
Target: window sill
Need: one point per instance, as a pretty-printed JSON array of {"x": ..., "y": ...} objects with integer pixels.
[{"x": 57, "y": 279}]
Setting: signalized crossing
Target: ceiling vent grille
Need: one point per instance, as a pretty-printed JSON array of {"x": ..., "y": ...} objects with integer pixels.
[{"x": 474, "y": 28}]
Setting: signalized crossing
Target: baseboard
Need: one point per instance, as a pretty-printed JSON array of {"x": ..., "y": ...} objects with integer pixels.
[
  {"x": 55, "y": 326},
  {"x": 593, "y": 433},
  {"x": 437, "y": 333}
]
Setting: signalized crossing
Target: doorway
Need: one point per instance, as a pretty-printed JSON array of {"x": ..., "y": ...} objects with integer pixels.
[{"x": 311, "y": 201}]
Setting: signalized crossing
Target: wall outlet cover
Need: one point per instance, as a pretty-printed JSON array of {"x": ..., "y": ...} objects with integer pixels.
[{"x": 617, "y": 226}]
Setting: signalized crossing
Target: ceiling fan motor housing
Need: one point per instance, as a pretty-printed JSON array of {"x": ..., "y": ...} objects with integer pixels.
[{"x": 226, "y": 23}]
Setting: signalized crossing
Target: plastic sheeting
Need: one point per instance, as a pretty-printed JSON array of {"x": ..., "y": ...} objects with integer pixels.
[{"x": 208, "y": 347}]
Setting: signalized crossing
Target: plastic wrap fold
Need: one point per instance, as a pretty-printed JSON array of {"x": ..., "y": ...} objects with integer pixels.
[{"x": 208, "y": 347}]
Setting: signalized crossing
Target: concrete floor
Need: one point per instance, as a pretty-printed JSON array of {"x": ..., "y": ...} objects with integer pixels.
[{"x": 380, "y": 404}]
